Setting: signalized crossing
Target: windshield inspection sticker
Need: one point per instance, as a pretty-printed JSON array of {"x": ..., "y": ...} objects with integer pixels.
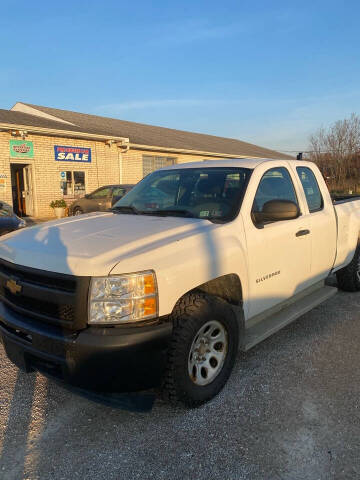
[
  {"x": 216, "y": 213},
  {"x": 204, "y": 213}
]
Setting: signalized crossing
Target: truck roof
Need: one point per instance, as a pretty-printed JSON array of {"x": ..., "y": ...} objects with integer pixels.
[{"x": 233, "y": 162}]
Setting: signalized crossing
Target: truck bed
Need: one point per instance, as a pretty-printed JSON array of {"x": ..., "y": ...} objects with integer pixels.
[
  {"x": 337, "y": 199},
  {"x": 347, "y": 212}
]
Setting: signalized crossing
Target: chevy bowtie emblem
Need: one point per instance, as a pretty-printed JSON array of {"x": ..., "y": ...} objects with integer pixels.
[{"x": 13, "y": 286}]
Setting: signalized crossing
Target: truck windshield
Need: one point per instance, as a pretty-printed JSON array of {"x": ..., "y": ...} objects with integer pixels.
[{"x": 207, "y": 193}]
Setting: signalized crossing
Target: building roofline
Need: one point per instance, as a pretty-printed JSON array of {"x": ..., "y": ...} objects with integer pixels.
[
  {"x": 66, "y": 123},
  {"x": 154, "y": 148},
  {"x": 30, "y": 110},
  {"x": 92, "y": 136},
  {"x": 60, "y": 132}
]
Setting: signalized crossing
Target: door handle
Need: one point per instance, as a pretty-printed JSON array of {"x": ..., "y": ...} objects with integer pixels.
[{"x": 301, "y": 233}]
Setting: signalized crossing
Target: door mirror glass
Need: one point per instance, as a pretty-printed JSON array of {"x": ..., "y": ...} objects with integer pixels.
[{"x": 277, "y": 210}]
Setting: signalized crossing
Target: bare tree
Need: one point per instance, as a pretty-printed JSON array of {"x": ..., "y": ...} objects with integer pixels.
[{"x": 336, "y": 150}]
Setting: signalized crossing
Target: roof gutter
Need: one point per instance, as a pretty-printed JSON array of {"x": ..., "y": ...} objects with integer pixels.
[
  {"x": 61, "y": 133},
  {"x": 154, "y": 148}
]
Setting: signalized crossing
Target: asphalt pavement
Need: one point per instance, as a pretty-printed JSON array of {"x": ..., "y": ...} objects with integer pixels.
[{"x": 290, "y": 410}]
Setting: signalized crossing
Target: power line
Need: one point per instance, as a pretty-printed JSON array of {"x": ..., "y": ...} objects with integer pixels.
[{"x": 311, "y": 151}]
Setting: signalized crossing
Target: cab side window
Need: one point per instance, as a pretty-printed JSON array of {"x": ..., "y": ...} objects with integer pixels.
[
  {"x": 276, "y": 184},
  {"x": 311, "y": 188}
]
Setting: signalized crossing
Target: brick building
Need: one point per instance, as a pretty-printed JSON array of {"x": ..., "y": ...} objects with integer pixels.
[{"x": 48, "y": 154}]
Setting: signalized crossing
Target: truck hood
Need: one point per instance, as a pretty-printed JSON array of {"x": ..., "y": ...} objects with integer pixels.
[{"x": 91, "y": 245}]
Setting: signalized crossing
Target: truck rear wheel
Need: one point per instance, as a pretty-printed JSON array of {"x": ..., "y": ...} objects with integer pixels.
[
  {"x": 349, "y": 277},
  {"x": 203, "y": 349}
]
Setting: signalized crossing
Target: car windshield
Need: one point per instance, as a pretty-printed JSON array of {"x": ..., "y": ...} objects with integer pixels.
[
  {"x": 5, "y": 211},
  {"x": 207, "y": 193}
]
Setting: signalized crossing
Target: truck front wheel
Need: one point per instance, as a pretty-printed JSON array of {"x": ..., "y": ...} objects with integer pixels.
[
  {"x": 203, "y": 349},
  {"x": 349, "y": 277}
]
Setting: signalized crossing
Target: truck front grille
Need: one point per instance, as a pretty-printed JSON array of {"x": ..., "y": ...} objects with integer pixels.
[{"x": 49, "y": 297}]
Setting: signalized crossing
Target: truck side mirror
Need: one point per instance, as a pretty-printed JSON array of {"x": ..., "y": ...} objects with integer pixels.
[{"x": 277, "y": 210}]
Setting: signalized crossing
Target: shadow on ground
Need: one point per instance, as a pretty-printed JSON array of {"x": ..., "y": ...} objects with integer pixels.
[{"x": 290, "y": 411}]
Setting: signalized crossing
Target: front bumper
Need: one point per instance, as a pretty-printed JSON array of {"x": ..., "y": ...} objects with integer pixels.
[{"x": 120, "y": 359}]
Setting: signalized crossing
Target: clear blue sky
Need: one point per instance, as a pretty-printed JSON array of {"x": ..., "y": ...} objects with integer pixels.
[{"x": 268, "y": 72}]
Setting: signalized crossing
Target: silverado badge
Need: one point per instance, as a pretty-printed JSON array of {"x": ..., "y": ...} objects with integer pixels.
[{"x": 13, "y": 286}]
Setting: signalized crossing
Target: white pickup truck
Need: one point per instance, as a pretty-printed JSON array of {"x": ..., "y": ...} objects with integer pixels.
[{"x": 198, "y": 260}]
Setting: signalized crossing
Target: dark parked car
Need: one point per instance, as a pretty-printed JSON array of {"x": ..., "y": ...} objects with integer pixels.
[
  {"x": 100, "y": 200},
  {"x": 8, "y": 220}
]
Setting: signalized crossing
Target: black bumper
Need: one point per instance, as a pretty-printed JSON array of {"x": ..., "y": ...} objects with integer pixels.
[{"x": 118, "y": 359}]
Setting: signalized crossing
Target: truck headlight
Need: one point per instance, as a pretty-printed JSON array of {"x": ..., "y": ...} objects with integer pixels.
[{"x": 123, "y": 298}]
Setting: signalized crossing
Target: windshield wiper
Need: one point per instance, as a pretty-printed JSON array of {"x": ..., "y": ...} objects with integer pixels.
[
  {"x": 165, "y": 213},
  {"x": 161, "y": 213},
  {"x": 125, "y": 209}
]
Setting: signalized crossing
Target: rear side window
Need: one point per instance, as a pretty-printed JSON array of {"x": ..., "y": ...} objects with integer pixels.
[
  {"x": 118, "y": 192},
  {"x": 311, "y": 188},
  {"x": 101, "y": 193}
]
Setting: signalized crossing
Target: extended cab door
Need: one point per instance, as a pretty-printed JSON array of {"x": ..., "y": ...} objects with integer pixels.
[
  {"x": 320, "y": 215},
  {"x": 278, "y": 252}
]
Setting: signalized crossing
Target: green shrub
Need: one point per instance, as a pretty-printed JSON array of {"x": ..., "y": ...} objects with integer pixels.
[{"x": 58, "y": 204}]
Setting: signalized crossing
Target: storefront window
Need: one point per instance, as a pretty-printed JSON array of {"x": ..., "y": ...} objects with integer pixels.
[
  {"x": 79, "y": 184},
  {"x": 68, "y": 184},
  {"x": 151, "y": 163},
  {"x": 74, "y": 186}
]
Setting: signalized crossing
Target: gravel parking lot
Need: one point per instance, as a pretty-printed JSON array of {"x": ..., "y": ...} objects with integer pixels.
[{"x": 291, "y": 410}]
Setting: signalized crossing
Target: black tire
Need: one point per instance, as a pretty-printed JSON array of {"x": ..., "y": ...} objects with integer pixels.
[
  {"x": 349, "y": 277},
  {"x": 192, "y": 312},
  {"x": 77, "y": 211}
]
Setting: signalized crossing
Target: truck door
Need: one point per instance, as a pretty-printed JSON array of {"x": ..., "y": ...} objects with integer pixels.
[
  {"x": 278, "y": 252},
  {"x": 322, "y": 223}
]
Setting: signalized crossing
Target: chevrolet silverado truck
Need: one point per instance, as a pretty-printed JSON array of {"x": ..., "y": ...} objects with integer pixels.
[{"x": 197, "y": 261}]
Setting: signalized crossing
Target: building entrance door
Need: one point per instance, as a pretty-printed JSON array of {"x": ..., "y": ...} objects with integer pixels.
[
  {"x": 28, "y": 190},
  {"x": 22, "y": 189}
]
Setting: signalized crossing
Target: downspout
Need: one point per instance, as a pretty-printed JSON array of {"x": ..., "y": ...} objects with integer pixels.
[
  {"x": 120, "y": 168},
  {"x": 123, "y": 147}
]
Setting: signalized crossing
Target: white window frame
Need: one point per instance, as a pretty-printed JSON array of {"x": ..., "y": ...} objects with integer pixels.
[
  {"x": 72, "y": 194},
  {"x": 168, "y": 160}
]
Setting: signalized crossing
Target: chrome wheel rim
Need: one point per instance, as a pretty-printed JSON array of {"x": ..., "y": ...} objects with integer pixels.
[
  {"x": 77, "y": 212},
  {"x": 207, "y": 353}
]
